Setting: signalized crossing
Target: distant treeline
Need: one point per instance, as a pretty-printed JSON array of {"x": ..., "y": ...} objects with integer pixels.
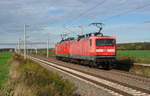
[
  {"x": 134, "y": 46},
  {"x": 6, "y": 49}
]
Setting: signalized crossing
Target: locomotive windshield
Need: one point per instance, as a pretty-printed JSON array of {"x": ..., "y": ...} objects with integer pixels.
[{"x": 104, "y": 42}]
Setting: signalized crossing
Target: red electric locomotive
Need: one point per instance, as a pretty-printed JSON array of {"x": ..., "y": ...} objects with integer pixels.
[{"x": 93, "y": 49}]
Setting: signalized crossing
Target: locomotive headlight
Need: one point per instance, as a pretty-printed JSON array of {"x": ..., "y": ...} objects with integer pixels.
[
  {"x": 99, "y": 50},
  {"x": 111, "y": 50}
]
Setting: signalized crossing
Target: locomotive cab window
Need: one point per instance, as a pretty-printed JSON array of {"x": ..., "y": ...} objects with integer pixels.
[
  {"x": 104, "y": 42},
  {"x": 90, "y": 42}
]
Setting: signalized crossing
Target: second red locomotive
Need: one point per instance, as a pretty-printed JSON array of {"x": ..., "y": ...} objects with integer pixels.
[{"x": 93, "y": 49}]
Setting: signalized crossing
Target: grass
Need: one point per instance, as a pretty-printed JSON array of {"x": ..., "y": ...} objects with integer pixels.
[
  {"x": 4, "y": 66},
  {"x": 140, "y": 70},
  {"x": 137, "y": 56},
  {"x": 34, "y": 80}
]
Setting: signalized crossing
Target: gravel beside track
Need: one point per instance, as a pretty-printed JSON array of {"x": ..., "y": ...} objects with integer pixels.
[
  {"x": 132, "y": 75},
  {"x": 107, "y": 74}
]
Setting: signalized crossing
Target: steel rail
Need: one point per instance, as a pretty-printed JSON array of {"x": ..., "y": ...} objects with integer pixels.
[
  {"x": 126, "y": 74},
  {"x": 136, "y": 77},
  {"x": 131, "y": 75}
]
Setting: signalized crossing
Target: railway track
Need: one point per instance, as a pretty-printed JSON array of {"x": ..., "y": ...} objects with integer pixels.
[
  {"x": 140, "y": 78},
  {"x": 109, "y": 85},
  {"x": 131, "y": 75}
]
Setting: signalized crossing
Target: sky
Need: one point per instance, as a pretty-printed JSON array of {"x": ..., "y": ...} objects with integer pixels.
[{"x": 127, "y": 20}]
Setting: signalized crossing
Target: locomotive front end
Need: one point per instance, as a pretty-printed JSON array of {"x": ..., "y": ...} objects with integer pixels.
[
  {"x": 105, "y": 47},
  {"x": 105, "y": 51}
]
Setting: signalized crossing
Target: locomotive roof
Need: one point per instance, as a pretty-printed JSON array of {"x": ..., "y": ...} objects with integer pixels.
[
  {"x": 97, "y": 37},
  {"x": 88, "y": 35},
  {"x": 103, "y": 37}
]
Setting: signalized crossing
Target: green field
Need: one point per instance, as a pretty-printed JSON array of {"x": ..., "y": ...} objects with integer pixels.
[
  {"x": 4, "y": 66},
  {"x": 139, "y": 56},
  {"x": 134, "y": 53}
]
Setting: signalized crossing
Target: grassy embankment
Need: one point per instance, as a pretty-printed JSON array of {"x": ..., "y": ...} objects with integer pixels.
[
  {"x": 4, "y": 66},
  {"x": 27, "y": 78},
  {"x": 142, "y": 70}
]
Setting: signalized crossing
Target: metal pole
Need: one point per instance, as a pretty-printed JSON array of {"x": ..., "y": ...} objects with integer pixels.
[
  {"x": 24, "y": 41},
  {"x": 31, "y": 48},
  {"x": 47, "y": 48},
  {"x": 81, "y": 30},
  {"x": 19, "y": 45}
]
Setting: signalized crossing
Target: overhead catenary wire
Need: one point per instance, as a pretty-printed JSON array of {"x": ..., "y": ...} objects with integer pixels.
[
  {"x": 146, "y": 21},
  {"x": 137, "y": 8},
  {"x": 88, "y": 10},
  {"x": 105, "y": 19},
  {"x": 109, "y": 18}
]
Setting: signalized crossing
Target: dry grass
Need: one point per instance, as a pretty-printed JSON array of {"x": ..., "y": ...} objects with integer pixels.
[
  {"x": 140, "y": 70},
  {"x": 28, "y": 78}
]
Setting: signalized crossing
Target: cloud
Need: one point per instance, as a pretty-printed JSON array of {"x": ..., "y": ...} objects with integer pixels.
[{"x": 14, "y": 13}]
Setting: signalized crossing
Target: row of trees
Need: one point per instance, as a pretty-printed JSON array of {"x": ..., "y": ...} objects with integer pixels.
[{"x": 134, "y": 46}]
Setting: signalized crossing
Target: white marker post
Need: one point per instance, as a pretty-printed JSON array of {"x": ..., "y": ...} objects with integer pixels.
[
  {"x": 47, "y": 48},
  {"x": 19, "y": 46}
]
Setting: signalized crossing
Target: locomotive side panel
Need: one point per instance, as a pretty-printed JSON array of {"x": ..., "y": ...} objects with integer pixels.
[{"x": 80, "y": 50}]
